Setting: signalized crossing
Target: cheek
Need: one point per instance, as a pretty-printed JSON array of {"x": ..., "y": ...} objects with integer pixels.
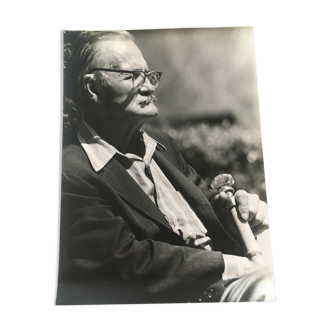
[
  {"x": 120, "y": 100},
  {"x": 118, "y": 93}
]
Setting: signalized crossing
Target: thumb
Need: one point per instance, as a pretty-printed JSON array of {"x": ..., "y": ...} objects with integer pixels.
[
  {"x": 241, "y": 198},
  {"x": 221, "y": 197}
]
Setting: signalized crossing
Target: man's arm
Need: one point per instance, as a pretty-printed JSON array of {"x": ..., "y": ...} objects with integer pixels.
[
  {"x": 100, "y": 243},
  {"x": 250, "y": 208}
]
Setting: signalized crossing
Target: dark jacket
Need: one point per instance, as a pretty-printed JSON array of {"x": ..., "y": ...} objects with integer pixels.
[{"x": 117, "y": 247}]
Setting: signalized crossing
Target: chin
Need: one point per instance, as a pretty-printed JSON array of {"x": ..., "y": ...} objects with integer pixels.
[{"x": 148, "y": 111}]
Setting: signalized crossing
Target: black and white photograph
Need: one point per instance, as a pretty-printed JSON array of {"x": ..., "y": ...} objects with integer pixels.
[{"x": 163, "y": 186}]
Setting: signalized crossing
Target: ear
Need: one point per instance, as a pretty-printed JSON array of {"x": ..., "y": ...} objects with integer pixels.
[{"x": 89, "y": 82}]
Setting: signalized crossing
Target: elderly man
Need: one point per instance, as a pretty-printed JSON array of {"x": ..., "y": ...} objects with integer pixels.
[{"x": 138, "y": 224}]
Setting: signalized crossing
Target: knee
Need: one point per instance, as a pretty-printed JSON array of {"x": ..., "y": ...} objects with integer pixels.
[{"x": 262, "y": 288}]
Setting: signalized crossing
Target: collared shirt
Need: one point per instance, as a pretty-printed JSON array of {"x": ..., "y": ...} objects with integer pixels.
[{"x": 146, "y": 172}]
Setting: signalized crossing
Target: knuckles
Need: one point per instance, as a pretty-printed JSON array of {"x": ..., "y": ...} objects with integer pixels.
[{"x": 241, "y": 194}]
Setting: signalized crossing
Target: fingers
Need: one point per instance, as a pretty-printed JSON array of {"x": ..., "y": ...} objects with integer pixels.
[
  {"x": 261, "y": 222},
  {"x": 256, "y": 209},
  {"x": 248, "y": 205},
  {"x": 242, "y": 201},
  {"x": 250, "y": 208},
  {"x": 221, "y": 197},
  {"x": 260, "y": 215},
  {"x": 202, "y": 241},
  {"x": 243, "y": 204}
]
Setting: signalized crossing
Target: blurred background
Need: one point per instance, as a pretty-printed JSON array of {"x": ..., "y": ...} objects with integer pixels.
[{"x": 207, "y": 99}]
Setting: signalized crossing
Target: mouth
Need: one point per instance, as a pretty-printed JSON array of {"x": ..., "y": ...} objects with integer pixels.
[{"x": 150, "y": 99}]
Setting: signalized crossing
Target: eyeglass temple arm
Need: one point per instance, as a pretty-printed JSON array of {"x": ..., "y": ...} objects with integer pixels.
[
  {"x": 112, "y": 70},
  {"x": 126, "y": 71}
]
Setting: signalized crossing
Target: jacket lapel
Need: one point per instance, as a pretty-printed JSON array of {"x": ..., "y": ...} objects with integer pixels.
[
  {"x": 198, "y": 202},
  {"x": 126, "y": 187}
]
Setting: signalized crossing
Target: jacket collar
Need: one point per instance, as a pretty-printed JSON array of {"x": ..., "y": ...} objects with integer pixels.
[{"x": 100, "y": 152}]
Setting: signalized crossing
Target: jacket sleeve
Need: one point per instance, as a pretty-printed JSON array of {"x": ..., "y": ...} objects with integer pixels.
[{"x": 99, "y": 247}]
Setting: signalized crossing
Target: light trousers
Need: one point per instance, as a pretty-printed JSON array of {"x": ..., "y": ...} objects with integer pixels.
[{"x": 257, "y": 286}]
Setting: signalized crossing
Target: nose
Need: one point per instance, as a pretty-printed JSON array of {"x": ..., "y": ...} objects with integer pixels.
[{"x": 147, "y": 87}]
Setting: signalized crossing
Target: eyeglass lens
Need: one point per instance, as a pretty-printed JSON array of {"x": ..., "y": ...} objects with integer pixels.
[{"x": 153, "y": 77}]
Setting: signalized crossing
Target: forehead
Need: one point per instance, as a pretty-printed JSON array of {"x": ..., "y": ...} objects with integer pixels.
[{"x": 121, "y": 54}]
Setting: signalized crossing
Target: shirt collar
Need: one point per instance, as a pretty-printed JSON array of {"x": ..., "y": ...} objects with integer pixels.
[{"x": 100, "y": 152}]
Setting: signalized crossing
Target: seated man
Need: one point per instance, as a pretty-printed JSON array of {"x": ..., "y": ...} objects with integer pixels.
[{"x": 138, "y": 224}]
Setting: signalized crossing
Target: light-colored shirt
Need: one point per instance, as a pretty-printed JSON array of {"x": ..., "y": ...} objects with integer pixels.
[{"x": 146, "y": 172}]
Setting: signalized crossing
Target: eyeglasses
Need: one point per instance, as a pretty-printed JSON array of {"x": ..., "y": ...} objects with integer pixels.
[{"x": 138, "y": 76}]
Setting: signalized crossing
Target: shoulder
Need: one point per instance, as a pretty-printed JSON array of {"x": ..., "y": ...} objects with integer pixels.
[
  {"x": 74, "y": 159},
  {"x": 172, "y": 152},
  {"x": 161, "y": 137}
]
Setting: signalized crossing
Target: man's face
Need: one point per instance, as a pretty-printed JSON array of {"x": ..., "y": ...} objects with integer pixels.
[{"x": 120, "y": 99}]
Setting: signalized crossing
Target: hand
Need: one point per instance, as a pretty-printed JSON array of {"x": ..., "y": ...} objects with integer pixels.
[
  {"x": 237, "y": 267},
  {"x": 249, "y": 208}
]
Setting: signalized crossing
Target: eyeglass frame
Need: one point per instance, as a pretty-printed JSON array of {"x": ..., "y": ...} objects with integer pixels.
[{"x": 146, "y": 74}]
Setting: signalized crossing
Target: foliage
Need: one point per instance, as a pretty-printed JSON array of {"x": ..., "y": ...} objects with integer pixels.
[
  {"x": 217, "y": 148},
  {"x": 70, "y": 113}
]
